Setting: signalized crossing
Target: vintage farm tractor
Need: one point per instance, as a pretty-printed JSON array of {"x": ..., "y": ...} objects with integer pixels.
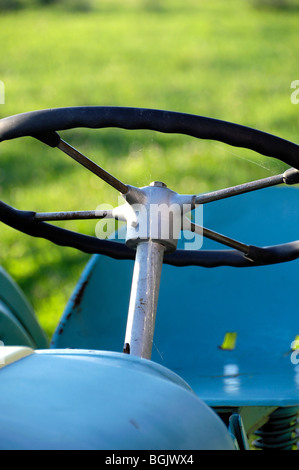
[{"x": 217, "y": 364}]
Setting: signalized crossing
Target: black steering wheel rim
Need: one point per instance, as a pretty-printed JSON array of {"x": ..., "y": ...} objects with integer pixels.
[{"x": 44, "y": 124}]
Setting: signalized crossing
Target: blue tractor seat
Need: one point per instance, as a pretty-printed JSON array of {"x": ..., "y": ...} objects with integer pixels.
[{"x": 230, "y": 333}]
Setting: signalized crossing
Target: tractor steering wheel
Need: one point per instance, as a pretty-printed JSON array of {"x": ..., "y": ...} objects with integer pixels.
[{"x": 44, "y": 125}]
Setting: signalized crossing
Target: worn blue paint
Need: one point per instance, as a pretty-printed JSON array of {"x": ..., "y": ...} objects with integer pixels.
[
  {"x": 72, "y": 399},
  {"x": 18, "y": 323},
  {"x": 197, "y": 306}
]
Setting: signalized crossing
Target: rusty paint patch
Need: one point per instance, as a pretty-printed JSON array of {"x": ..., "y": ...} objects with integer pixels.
[
  {"x": 126, "y": 349},
  {"x": 79, "y": 295}
]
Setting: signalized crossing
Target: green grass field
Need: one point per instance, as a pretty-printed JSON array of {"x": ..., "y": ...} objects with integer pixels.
[{"x": 227, "y": 60}]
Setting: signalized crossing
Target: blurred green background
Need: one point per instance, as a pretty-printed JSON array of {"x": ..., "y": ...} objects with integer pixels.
[{"x": 232, "y": 60}]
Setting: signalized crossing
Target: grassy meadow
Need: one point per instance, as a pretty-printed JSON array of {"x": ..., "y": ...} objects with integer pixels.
[{"x": 227, "y": 60}]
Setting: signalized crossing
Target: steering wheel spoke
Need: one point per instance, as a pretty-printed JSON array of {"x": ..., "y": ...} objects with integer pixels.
[
  {"x": 121, "y": 213},
  {"x": 92, "y": 166},
  {"x": 73, "y": 215},
  {"x": 290, "y": 176},
  {"x": 218, "y": 237}
]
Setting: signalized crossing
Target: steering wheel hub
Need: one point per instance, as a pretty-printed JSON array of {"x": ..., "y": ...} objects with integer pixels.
[{"x": 157, "y": 214}]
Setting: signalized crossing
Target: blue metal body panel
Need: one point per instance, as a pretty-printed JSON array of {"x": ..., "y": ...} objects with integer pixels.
[
  {"x": 198, "y": 306},
  {"x": 18, "y": 323},
  {"x": 72, "y": 399}
]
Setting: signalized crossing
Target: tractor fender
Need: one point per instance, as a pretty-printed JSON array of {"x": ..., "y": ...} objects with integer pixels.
[{"x": 80, "y": 399}]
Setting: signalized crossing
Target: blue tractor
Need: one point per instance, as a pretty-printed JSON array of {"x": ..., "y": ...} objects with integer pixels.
[{"x": 178, "y": 335}]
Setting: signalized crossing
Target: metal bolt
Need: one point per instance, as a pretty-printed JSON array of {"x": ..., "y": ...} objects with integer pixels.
[{"x": 159, "y": 184}]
